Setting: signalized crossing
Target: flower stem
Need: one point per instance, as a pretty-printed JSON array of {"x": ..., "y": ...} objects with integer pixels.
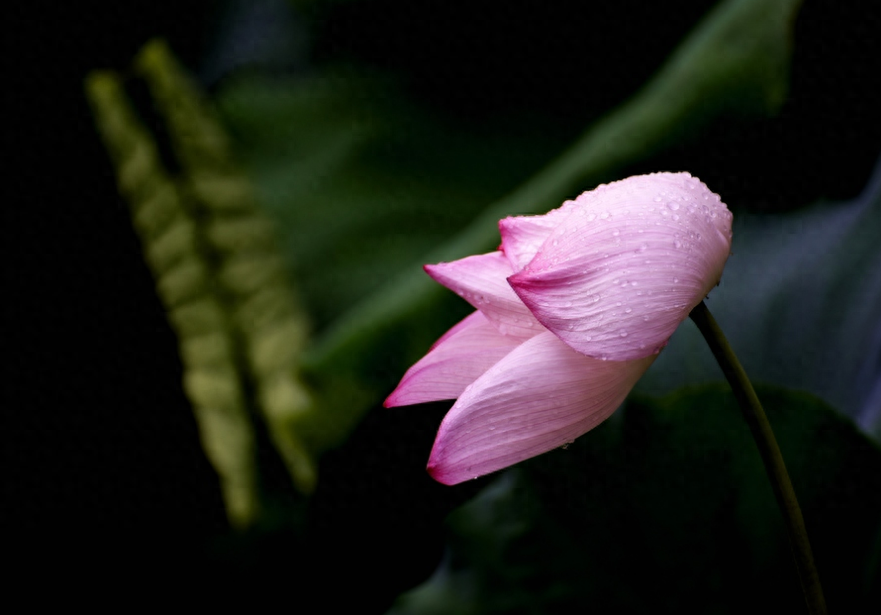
[{"x": 770, "y": 452}]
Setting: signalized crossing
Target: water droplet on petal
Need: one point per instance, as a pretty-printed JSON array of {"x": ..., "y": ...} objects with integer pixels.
[
  {"x": 628, "y": 310},
  {"x": 673, "y": 205}
]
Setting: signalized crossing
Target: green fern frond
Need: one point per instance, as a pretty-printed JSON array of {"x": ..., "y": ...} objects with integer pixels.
[
  {"x": 204, "y": 331},
  {"x": 219, "y": 274}
]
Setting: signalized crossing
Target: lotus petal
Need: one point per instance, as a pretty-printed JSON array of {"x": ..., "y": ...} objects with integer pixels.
[
  {"x": 481, "y": 281},
  {"x": 456, "y": 360},
  {"x": 522, "y": 236},
  {"x": 616, "y": 277},
  {"x": 540, "y": 396}
]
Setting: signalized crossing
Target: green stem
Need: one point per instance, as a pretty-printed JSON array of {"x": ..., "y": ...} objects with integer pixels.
[{"x": 770, "y": 452}]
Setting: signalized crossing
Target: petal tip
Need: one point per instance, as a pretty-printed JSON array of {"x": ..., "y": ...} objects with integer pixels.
[{"x": 441, "y": 474}]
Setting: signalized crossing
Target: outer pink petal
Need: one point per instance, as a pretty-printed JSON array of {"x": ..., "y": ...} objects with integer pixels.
[
  {"x": 481, "y": 281},
  {"x": 540, "y": 396},
  {"x": 616, "y": 278},
  {"x": 456, "y": 360},
  {"x": 522, "y": 236}
]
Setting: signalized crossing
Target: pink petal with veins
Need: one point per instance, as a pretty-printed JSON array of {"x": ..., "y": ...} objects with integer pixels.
[
  {"x": 615, "y": 278},
  {"x": 456, "y": 360},
  {"x": 540, "y": 396},
  {"x": 481, "y": 281},
  {"x": 522, "y": 236}
]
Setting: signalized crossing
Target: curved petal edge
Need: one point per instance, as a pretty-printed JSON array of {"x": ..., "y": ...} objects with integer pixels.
[{"x": 540, "y": 396}]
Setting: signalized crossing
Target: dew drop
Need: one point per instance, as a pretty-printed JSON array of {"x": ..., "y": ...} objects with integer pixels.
[
  {"x": 645, "y": 318},
  {"x": 615, "y": 233},
  {"x": 633, "y": 283},
  {"x": 673, "y": 205},
  {"x": 628, "y": 310},
  {"x": 604, "y": 215},
  {"x": 643, "y": 247},
  {"x": 676, "y": 280},
  {"x": 677, "y": 243}
]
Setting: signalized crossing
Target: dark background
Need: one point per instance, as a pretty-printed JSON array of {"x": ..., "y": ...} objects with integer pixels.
[{"x": 105, "y": 475}]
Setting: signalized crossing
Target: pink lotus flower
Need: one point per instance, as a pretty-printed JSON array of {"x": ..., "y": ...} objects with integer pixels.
[{"x": 570, "y": 314}]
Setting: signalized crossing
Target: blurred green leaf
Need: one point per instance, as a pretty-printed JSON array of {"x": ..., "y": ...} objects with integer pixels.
[
  {"x": 366, "y": 185},
  {"x": 163, "y": 216},
  {"x": 799, "y": 300},
  {"x": 666, "y": 509},
  {"x": 363, "y": 184}
]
